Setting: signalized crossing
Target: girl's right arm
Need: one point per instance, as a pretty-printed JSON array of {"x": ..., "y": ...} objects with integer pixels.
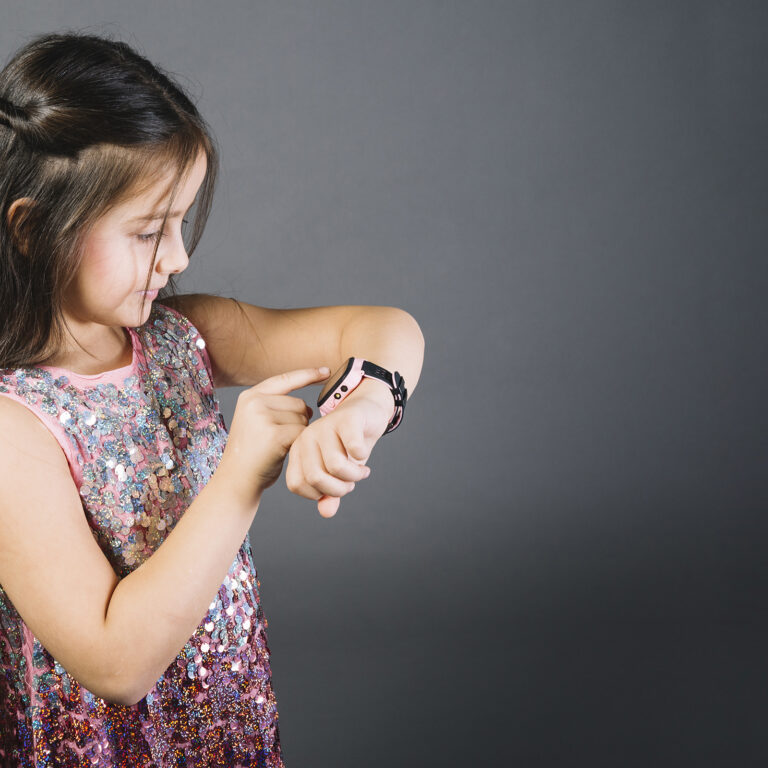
[
  {"x": 157, "y": 608},
  {"x": 117, "y": 637}
]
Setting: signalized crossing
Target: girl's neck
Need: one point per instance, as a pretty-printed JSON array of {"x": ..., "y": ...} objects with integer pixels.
[{"x": 107, "y": 357}]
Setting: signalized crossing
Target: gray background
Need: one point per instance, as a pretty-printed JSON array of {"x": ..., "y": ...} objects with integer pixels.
[{"x": 559, "y": 556}]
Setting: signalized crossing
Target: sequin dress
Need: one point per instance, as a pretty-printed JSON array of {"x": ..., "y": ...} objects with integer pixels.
[{"x": 137, "y": 470}]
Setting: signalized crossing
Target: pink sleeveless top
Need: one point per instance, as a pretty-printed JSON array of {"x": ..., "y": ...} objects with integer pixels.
[{"x": 137, "y": 470}]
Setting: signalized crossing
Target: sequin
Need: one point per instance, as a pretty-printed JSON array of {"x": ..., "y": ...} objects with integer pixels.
[{"x": 137, "y": 469}]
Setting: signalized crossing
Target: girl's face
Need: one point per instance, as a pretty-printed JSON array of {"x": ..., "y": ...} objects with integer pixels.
[{"x": 117, "y": 254}]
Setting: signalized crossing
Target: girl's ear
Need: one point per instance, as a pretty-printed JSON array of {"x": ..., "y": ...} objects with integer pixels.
[{"x": 18, "y": 214}]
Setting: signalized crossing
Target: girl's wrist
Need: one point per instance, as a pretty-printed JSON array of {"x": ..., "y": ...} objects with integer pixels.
[{"x": 377, "y": 391}]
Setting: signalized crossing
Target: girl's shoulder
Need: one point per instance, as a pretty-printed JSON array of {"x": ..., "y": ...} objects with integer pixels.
[
  {"x": 176, "y": 340},
  {"x": 167, "y": 322}
]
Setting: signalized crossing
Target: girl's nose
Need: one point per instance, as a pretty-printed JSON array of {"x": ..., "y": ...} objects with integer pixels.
[{"x": 174, "y": 257}]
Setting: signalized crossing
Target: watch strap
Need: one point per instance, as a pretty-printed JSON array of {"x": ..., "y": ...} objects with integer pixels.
[
  {"x": 357, "y": 368},
  {"x": 396, "y": 385}
]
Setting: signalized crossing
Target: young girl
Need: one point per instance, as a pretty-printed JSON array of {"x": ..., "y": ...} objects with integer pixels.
[{"x": 131, "y": 631}]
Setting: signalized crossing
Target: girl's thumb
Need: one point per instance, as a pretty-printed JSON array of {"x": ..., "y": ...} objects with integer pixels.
[{"x": 328, "y": 505}]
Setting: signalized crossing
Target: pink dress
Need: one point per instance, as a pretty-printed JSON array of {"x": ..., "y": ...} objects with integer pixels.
[{"x": 137, "y": 470}]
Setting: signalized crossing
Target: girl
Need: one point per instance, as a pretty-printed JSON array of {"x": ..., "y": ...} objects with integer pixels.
[{"x": 131, "y": 631}]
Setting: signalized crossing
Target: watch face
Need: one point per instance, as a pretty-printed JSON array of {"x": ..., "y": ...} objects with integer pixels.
[{"x": 333, "y": 381}]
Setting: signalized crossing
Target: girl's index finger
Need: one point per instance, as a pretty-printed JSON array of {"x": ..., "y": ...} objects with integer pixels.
[{"x": 283, "y": 383}]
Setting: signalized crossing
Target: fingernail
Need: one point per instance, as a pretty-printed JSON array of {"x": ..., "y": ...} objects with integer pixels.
[
  {"x": 367, "y": 471},
  {"x": 325, "y": 370}
]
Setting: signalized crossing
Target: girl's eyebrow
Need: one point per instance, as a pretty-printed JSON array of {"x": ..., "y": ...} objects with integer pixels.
[{"x": 157, "y": 216}]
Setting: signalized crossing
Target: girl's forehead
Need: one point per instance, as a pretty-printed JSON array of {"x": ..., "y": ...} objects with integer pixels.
[{"x": 152, "y": 195}]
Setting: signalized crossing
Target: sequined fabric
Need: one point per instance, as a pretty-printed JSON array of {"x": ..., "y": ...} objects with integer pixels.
[{"x": 137, "y": 470}]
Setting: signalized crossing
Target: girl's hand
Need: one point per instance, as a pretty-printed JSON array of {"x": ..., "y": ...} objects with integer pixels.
[
  {"x": 328, "y": 457},
  {"x": 266, "y": 422}
]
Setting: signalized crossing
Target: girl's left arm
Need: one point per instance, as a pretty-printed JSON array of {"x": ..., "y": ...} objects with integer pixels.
[
  {"x": 248, "y": 343},
  {"x": 389, "y": 337}
]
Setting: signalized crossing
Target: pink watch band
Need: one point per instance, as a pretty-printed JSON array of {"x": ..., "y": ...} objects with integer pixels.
[
  {"x": 344, "y": 387},
  {"x": 357, "y": 369}
]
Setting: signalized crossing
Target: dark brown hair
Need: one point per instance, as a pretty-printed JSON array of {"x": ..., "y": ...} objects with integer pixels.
[{"x": 86, "y": 123}]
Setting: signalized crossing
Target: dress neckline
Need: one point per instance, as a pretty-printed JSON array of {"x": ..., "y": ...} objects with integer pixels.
[{"x": 116, "y": 374}]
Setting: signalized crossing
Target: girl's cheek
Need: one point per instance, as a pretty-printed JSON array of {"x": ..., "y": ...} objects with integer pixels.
[{"x": 104, "y": 268}]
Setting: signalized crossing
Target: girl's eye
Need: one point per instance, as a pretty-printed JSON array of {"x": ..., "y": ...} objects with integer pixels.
[
  {"x": 155, "y": 235},
  {"x": 151, "y": 236}
]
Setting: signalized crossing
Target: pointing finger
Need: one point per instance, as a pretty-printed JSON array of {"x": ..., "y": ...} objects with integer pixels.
[{"x": 290, "y": 380}]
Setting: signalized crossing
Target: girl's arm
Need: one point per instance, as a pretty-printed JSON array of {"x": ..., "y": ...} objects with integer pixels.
[
  {"x": 157, "y": 608},
  {"x": 388, "y": 337},
  {"x": 248, "y": 343},
  {"x": 115, "y": 637}
]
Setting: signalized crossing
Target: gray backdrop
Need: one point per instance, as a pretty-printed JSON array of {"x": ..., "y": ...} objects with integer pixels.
[{"x": 559, "y": 556}]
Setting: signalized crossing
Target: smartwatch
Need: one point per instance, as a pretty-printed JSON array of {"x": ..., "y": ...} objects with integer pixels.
[{"x": 346, "y": 378}]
